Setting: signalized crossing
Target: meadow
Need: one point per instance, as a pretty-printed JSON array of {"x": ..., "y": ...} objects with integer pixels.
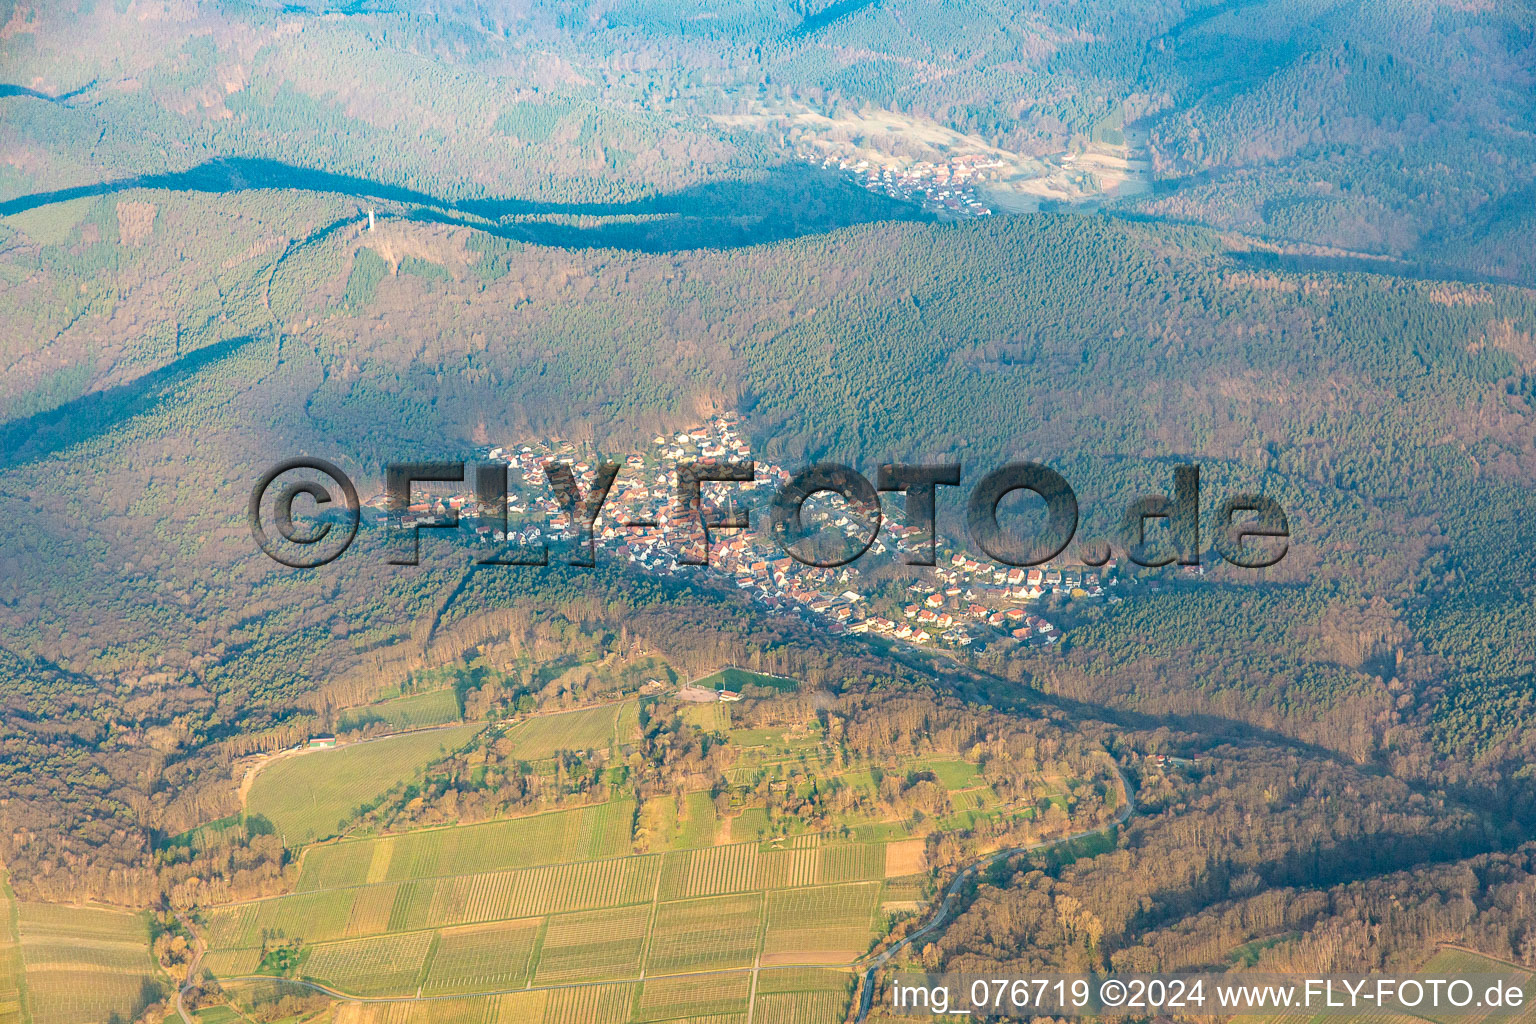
[
  {"x": 312, "y": 795},
  {"x": 595, "y": 728},
  {"x": 733, "y": 679}
]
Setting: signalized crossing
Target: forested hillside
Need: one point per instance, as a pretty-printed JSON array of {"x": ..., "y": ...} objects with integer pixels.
[
  {"x": 1396, "y": 130},
  {"x": 1404, "y": 474},
  {"x": 231, "y": 234}
]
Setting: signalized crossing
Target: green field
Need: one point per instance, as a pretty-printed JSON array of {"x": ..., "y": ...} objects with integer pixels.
[
  {"x": 734, "y": 679},
  {"x": 217, "y": 1015},
  {"x": 698, "y": 823},
  {"x": 314, "y": 794},
  {"x": 84, "y": 965},
  {"x": 418, "y": 711},
  {"x": 587, "y": 729},
  {"x": 709, "y": 717}
]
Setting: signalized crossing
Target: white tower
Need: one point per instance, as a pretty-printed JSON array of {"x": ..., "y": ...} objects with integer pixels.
[{"x": 370, "y": 220}]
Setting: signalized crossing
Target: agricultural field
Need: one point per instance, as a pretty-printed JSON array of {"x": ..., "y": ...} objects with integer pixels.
[
  {"x": 801, "y": 994},
  {"x": 597, "y": 728},
  {"x": 681, "y": 907},
  {"x": 12, "y": 983},
  {"x": 793, "y": 996},
  {"x": 483, "y": 957},
  {"x": 705, "y": 934},
  {"x": 1456, "y": 963},
  {"x": 83, "y": 965},
  {"x": 821, "y": 924},
  {"x": 377, "y": 966},
  {"x": 417, "y": 711},
  {"x": 217, "y": 1015},
  {"x": 313, "y": 795},
  {"x": 599, "y": 945},
  {"x": 399, "y": 916},
  {"x": 584, "y": 833}
]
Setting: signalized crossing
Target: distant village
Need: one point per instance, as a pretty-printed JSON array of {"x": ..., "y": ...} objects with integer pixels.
[
  {"x": 946, "y": 189},
  {"x": 962, "y": 601}
]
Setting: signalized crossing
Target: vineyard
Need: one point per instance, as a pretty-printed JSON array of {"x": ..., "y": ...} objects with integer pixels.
[
  {"x": 704, "y": 904},
  {"x": 312, "y": 795},
  {"x": 80, "y": 964},
  {"x": 647, "y": 937},
  {"x": 417, "y": 711},
  {"x": 1448, "y": 964},
  {"x": 11, "y": 978}
]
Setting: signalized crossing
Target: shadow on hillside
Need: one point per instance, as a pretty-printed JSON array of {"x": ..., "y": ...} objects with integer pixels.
[
  {"x": 91, "y": 415},
  {"x": 833, "y": 12},
  {"x": 1298, "y": 263},
  {"x": 787, "y": 201},
  {"x": 9, "y": 89}
]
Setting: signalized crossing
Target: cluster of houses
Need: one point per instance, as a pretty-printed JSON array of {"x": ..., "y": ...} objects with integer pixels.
[
  {"x": 962, "y": 602},
  {"x": 944, "y": 188}
]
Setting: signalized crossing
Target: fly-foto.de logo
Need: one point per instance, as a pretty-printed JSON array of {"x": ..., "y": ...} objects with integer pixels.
[{"x": 1246, "y": 530}]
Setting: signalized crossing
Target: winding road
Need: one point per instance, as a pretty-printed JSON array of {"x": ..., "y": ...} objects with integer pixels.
[{"x": 199, "y": 947}]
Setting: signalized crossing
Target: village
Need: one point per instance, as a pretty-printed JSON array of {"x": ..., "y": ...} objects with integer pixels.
[
  {"x": 944, "y": 189},
  {"x": 962, "y": 602}
]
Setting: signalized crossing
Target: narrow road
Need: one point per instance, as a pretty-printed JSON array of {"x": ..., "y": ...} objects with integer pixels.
[{"x": 199, "y": 947}]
